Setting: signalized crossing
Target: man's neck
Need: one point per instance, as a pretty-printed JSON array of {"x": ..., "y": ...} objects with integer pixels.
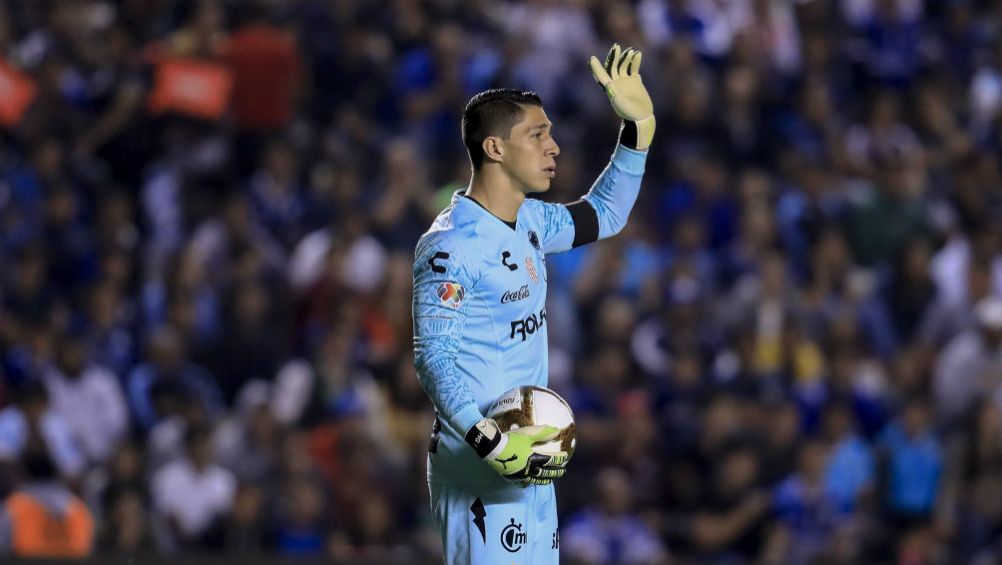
[{"x": 497, "y": 193}]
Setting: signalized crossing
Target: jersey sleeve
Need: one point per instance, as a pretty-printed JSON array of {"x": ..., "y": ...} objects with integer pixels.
[
  {"x": 443, "y": 287},
  {"x": 557, "y": 233},
  {"x": 615, "y": 192},
  {"x": 599, "y": 214}
]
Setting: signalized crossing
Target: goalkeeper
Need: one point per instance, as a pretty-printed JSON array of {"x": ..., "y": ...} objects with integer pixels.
[{"x": 480, "y": 317}]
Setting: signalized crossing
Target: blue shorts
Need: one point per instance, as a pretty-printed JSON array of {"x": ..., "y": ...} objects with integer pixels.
[{"x": 497, "y": 526}]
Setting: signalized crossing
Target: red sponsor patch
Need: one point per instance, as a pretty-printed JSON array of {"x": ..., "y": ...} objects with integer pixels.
[{"x": 451, "y": 294}]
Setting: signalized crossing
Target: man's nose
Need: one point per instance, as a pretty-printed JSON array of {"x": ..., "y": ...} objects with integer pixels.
[{"x": 554, "y": 150}]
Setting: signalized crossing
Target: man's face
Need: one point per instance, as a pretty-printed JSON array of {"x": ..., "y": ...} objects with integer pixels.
[{"x": 530, "y": 151}]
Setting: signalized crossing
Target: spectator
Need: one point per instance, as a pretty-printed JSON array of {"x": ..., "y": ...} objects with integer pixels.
[
  {"x": 193, "y": 496},
  {"x": 213, "y": 241},
  {"x": 300, "y": 528},
  {"x": 911, "y": 289},
  {"x": 247, "y": 442},
  {"x": 247, "y": 532},
  {"x": 277, "y": 194},
  {"x": 119, "y": 496},
  {"x": 252, "y": 351},
  {"x": 109, "y": 327},
  {"x": 947, "y": 318},
  {"x": 766, "y": 29},
  {"x": 731, "y": 521},
  {"x": 850, "y": 471},
  {"x": 809, "y": 514},
  {"x": 782, "y": 442},
  {"x": 406, "y": 205},
  {"x": 167, "y": 378},
  {"x": 973, "y": 476},
  {"x": 913, "y": 467},
  {"x": 43, "y": 518},
  {"x": 890, "y": 43},
  {"x": 31, "y": 415},
  {"x": 89, "y": 399},
  {"x": 30, "y": 300},
  {"x": 434, "y": 80},
  {"x": 891, "y": 215},
  {"x": 610, "y": 531},
  {"x": 370, "y": 535},
  {"x": 968, "y": 368},
  {"x": 127, "y": 524}
]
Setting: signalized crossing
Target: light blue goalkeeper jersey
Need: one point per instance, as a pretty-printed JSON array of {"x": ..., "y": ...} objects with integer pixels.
[{"x": 480, "y": 304}]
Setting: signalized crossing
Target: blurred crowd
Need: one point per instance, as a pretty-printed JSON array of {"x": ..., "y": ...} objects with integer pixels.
[{"x": 208, "y": 209}]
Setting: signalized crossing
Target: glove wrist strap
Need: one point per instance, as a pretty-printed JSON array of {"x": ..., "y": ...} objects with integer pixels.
[
  {"x": 485, "y": 438},
  {"x": 637, "y": 135},
  {"x": 628, "y": 134}
]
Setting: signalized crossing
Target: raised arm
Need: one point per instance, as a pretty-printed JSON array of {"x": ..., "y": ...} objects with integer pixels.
[{"x": 604, "y": 210}]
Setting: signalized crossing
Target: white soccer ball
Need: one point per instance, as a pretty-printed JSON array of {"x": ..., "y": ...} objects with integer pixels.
[{"x": 534, "y": 406}]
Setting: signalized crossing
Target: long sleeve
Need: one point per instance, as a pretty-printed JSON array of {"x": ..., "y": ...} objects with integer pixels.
[
  {"x": 615, "y": 192},
  {"x": 442, "y": 288},
  {"x": 602, "y": 212}
]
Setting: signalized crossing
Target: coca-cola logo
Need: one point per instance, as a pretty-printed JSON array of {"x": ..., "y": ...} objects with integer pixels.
[{"x": 515, "y": 295}]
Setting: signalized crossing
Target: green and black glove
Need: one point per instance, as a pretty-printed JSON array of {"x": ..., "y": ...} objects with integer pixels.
[{"x": 511, "y": 454}]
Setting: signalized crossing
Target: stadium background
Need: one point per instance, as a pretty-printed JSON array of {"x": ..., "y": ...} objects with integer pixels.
[{"x": 207, "y": 218}]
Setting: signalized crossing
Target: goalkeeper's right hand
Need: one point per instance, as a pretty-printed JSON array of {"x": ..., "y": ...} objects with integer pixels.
[{"x": 512, "y": 456}]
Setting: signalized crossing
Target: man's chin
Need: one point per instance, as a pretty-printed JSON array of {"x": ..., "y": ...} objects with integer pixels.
[{"x": 543, "y": 187}]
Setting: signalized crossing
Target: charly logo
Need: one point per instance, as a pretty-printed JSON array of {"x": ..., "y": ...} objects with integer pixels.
[
  {"x": 451, "y": 294},
  {"x": 505, "y": 255},
  {"x": 512, "y": 537},
  {"x": 439, "y": 256},
  {"x": 515, "y": 295}
]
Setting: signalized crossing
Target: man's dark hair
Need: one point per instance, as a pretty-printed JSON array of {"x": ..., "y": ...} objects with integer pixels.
[{"x": 493, "y": 112}]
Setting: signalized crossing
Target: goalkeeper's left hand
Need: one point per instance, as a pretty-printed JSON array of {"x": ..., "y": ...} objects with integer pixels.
[
  {"x": 511, "y": 453},
  {"x": 620, "y": 77}
]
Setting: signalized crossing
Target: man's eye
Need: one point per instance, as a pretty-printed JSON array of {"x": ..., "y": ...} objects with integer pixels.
[{"x": 538, "y": 135}]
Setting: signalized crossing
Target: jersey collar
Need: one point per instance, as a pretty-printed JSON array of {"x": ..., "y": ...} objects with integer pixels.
[{"x": 460, "y": 196}]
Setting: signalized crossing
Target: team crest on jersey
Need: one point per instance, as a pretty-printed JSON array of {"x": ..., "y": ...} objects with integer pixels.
[
  {"x": 530, "y": 267},
  {"x": 451, "y": 294},
  {"x": 534, "y": 239}
]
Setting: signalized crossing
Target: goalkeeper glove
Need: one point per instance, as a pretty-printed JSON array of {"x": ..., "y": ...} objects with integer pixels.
[
  {"x": 620, "y": 77},
  {"x": 512, "y": 456}
]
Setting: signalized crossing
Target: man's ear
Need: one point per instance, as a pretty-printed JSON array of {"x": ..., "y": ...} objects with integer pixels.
[{"x": 493, "y": 148}]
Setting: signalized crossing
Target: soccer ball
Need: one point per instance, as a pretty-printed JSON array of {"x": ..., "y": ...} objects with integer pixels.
[{"x": 533, "y": 406}]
